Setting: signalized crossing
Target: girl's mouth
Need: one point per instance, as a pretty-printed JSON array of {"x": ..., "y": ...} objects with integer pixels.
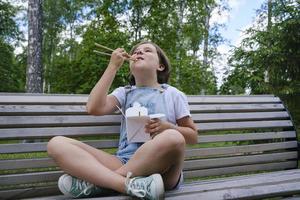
[{"x": 139, "y": 58}]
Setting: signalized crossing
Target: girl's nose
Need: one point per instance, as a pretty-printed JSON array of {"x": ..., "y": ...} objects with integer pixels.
[{"x": 139, "y": 52}]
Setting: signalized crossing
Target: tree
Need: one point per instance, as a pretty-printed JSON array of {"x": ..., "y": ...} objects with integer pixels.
[
  {"x": 177, "y": 26},
  {"x": 273, "y": 46},
  {"x": 8, "y": 27},
  {"x": 10, "y": 72},
  {"x": 34, "y": 82}
]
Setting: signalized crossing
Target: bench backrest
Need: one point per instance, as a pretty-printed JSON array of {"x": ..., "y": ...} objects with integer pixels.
[{"x": 237, "y": 134}]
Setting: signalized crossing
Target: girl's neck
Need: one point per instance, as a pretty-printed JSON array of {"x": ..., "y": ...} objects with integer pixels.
[{"x": 147, "y": 83}]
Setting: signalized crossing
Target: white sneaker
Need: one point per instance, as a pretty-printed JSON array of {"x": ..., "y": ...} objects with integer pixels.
[
  {"x": 76, "y": 188},
  {"x": 151, "y": 187}
]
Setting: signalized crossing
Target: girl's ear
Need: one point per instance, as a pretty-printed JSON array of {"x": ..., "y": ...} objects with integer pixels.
[{"x": 161, "y": 68}]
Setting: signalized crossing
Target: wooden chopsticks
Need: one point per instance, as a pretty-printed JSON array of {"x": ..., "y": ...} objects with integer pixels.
[
  {"x": 104, "y": 47},
  {"x": 108, "y": 49}
]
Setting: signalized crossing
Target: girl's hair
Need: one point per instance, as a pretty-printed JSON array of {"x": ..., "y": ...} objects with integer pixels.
[{"x": 162, "y": 76}]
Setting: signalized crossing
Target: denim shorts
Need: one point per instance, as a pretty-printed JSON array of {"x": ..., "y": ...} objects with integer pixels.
[{"x": 124, "y": 159}]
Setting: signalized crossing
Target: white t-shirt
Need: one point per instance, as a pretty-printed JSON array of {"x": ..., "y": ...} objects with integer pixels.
[{"x": 177, "y": 103}]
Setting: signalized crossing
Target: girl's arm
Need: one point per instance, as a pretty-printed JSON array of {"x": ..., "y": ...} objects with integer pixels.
[
  {"x": 188, "y": 129},
  {"x": 185, "y": 126},
  {"x": 99, "y": 102}
]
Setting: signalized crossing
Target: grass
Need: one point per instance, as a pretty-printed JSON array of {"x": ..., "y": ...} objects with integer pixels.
[{"x": 10, "y": 156}]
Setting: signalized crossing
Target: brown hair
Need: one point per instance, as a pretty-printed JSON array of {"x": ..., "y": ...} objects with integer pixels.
[{"x": 162, "y": 76}]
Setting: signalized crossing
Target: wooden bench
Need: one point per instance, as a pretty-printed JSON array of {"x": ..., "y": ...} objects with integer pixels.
[{"x": 237, "y": 135}]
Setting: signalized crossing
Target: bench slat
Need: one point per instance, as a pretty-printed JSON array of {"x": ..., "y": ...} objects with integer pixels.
[
  {"x": 14, "y": 133},
  {"x": 42, "y": 146},
  {"x": 68, "y": 120},
  {"x": 246, "y": 136},
  {"x": 236, "y": 107},
  {"x": 42, "y": 110},
  {"x": 31, "y": 192},
  {"x": 227, "y": 117},
  {"x": 36, "y": 177},
  {"x": 254, "y": 192},
  {"x": 54, "y": 175},
  {"x": 232, "y": 99},
  {"x": 53, "y": 131},
  {"x": 219, "y": 126},
  {"x": 235, "y": 150},
  {"x": 32, "y": 147},
  {"x": 188, "y": 164},
  {"x": 239, "y": 181},
  {"x": 272, "y": 178},
  {"x": 84, "y": 120},
  {"x": 240, "y": 169},
  {"x": 26, "y": 163},
  {"x": 81, "y": 109},
  {"x": 82, "y": 99},
  {"x": 43, "y": 99},
  {"x": 238, "y": 160}
]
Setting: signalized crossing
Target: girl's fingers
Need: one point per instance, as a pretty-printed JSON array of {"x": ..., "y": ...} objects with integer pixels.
[
  {"x": 153, "y": 130},
  {"x": 126, "y": 55},
  {"x": 152, "y": 123},
  {"x": 133, "y": 57},
  {"x": 152, "y": 127}
]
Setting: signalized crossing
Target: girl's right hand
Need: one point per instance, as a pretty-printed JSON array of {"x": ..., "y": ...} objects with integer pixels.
[{"x": 117, "y": 58}]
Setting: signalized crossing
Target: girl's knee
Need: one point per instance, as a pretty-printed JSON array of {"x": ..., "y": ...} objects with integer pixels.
[
  {"x": 172, "y": 138},
  {"x": 55, "y": 144}
]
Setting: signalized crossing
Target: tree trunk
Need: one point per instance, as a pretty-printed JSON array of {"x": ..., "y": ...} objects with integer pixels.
[
  {"x": 206, "y": 40},
  {"x": 269, "y": 15},
  {"x": 206, "y": 35},
  {"x": 269, "y": 25},
  {"x": 34, "y": 82},
  {"x": 138, "y": 16},
  {"x": 179, "y": 43}
]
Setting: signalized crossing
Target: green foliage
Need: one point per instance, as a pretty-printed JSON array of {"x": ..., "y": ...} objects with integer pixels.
[
  {"x": 178, "y": 27},
  {"x": 8, "y": 27},
  {"x": 268, "y": 60},
  {"x": 10, "y": 73},
  {"x": 79, "y": 73}
]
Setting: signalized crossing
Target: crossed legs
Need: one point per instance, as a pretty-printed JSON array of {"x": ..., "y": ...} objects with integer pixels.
[{"x": 164, "y": 154}]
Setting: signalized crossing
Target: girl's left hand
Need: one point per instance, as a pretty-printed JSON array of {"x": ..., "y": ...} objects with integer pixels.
[{"x": 156, "y": 126}]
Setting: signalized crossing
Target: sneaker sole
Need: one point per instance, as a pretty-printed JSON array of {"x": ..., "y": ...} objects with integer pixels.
[
  {"x": 61, "y": 187},
  {"x": 159, "y": 186}
]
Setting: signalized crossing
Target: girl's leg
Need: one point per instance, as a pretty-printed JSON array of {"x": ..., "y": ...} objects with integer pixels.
[
  {"x": 164, "y": 154},
  {"x": 87, "y": 163}
]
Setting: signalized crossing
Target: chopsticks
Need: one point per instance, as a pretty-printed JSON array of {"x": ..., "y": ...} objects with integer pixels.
[
  {"x": 104, "y": 47},
  {"x": 102, "y": 53},
  {"x": 109, "y": 49}
]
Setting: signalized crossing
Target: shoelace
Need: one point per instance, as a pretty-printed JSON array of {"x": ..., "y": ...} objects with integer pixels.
[
  {"x": 137, "y": 188},
  {"x": 83, "y": 186}
]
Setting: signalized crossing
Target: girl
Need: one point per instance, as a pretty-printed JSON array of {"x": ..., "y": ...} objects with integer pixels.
[{"x": 138, "y": 169}]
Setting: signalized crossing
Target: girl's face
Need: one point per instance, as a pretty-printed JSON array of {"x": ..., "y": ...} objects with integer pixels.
[{"x": 146, "y": 59}]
